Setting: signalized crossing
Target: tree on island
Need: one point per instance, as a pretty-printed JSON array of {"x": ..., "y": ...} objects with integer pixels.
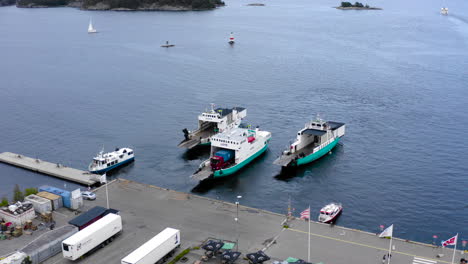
[{"x": 357, "y": 4}]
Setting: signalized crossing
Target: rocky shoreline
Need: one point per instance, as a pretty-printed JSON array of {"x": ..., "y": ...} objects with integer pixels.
[
  {"x": 152, "y": 7},
  {"x": 7, "y": 2},
  {"x": 102, "y": 5}
]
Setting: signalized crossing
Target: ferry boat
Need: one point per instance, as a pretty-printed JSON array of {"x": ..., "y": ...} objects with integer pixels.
[
  {"x": 104, "y": 162},
  {"x": 211, "y": 122},
  {"x": 316, "y": 139},
  {"x": 231, "y": 151},
  {"x": 330, "y": 212},
  {"x": 444, "y": 11}
]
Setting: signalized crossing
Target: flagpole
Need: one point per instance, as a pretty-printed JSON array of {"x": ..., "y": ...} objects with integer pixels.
[
  {"x": 390, "y": 248},
  {"x": 308, "y": 245},
  {"x": 455, "y": 248},
  {"x": 107, "y": 193}
]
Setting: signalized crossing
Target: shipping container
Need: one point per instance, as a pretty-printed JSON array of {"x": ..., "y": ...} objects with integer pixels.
[
  {"x": 40, "y": 204},
  {"x": 66, "y": 195},
  {"x": 88, "y": 217},
  {"x": 104, "y": 229},
  {"x": 155, "y": 250},
  {"x": 56, "y": 200},
  {"x": 48, "y": 244},
  {"x": 76, "y": 203}
]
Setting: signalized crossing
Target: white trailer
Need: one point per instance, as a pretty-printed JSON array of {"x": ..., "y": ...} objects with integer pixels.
[
  {"x": 102, "y": 231},
  {"x": 155, "y": 250}
]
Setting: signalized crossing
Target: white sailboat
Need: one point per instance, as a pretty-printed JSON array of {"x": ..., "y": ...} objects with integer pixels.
[{"x": 91, "y": 29}]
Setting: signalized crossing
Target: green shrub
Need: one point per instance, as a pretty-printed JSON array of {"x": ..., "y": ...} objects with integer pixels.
[
  {"x": 29, "y": 191},
  {"x": 181, "y": 255},
  {"x": 4, "y": 202}
]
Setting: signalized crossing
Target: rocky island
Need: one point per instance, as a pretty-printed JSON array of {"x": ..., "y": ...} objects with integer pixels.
[
  {"x": 125, "y": 5},
  {"x": 356, "y": 6}
]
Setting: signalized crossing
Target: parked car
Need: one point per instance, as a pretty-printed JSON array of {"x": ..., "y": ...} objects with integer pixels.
[{"x": 88, "y": 195}]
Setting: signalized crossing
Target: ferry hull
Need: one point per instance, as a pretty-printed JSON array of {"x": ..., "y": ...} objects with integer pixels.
[
  {"x": 229, "y": 171},
  {"x": 318, "y": 154},
  {"x": 113, "y": 166}
]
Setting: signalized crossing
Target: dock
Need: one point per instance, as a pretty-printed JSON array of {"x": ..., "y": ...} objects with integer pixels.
[
  {"x": 48, "y": 168},
  {"x": 200, "y": 218}
]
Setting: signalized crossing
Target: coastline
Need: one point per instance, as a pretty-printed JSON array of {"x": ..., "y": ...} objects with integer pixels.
[
  {"x": 357, "y": 8},
  {"x": 101, "y": 6}
]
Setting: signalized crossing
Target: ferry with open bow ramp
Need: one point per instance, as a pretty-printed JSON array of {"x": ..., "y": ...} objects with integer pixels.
[
  {"x": 316, "y": 139},
  {"x": 231, "y": 151},
  {"x": 104, "y": 162},
  {"x": 211, "y": 122}
]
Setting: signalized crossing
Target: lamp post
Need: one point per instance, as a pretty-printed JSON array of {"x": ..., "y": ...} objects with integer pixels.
[{"x": 237, "y": 222}]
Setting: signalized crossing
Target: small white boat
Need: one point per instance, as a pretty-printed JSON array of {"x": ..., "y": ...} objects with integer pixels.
[
  {"x": 91, "y": 29},
  {"x": 231, "y": 38},
  {"x": 104, "y": 162},
  {"x": 444, "y": 11},
  {"x": 330, "y": 212}
]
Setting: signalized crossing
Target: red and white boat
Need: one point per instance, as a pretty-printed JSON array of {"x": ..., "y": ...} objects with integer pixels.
[
  {"x": 231, "y": 38},
  {"x": 330, "y": 212}
]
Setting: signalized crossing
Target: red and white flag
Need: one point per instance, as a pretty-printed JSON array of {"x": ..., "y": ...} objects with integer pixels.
[
  {"x": 451, "y": 241},
  {"x": 305, "y": 214}
]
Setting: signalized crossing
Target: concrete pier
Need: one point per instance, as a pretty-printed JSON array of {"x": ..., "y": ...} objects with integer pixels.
[
  {"x": 48, "y": 168},
  {"x": 146, "y": 210}
]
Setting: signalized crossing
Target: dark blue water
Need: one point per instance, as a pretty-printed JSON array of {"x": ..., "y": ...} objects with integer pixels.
[{"x": 397, "y": 77}]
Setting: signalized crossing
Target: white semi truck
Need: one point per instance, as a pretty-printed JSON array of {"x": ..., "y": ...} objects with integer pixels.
[
  {"x": 155, "y": 250},
  {"x": 98, "y": 233}
]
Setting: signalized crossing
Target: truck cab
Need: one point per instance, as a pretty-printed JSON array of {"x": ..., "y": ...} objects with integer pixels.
[{"x": 221, "y": 159}]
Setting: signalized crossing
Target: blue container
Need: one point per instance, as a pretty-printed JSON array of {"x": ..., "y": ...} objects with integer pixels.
[
  {"x": 66, "y": 195},
  {"x": 225, "y": 154}
]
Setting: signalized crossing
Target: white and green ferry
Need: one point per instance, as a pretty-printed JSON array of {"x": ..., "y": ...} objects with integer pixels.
[
  {"x": 210, "y": 122},
  {"x": 316, "y": 139},
  {"x": 231, "y": 151}
]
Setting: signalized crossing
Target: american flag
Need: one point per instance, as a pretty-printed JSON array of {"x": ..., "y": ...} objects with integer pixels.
[
  {"x": 305, "y": 214},
  {"x": 451, "y": 241}
]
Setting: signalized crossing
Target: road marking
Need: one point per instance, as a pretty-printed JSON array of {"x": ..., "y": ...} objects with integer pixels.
[
  {"x": 417, "y": 260},
  {"x": 369, "y": 246},
  {"x": 64, "y": 215}
]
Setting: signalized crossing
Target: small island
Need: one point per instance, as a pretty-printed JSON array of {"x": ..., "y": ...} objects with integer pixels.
[
  {"x": 126, "y": 5},
  {"x": 356, "y": 6}
]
